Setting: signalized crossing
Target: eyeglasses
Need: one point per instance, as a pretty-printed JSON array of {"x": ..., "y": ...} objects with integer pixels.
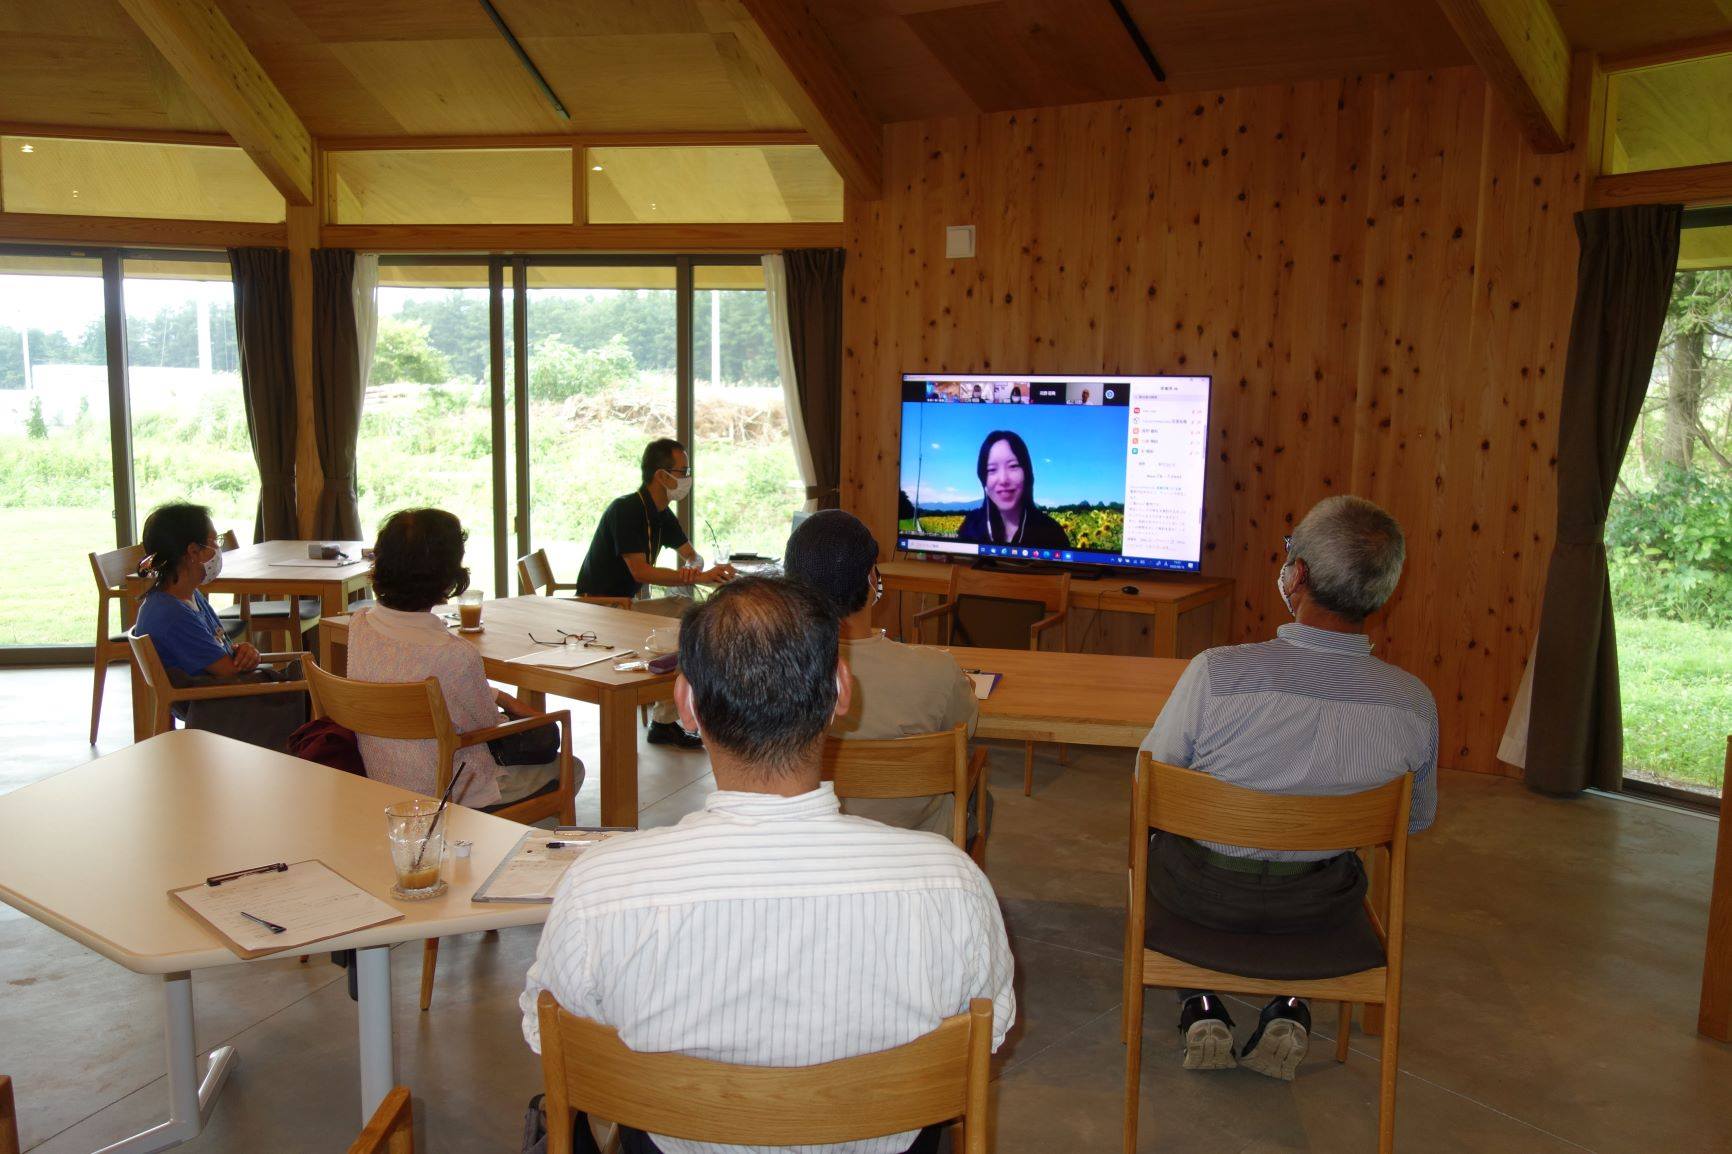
[
  {"x": 1287, "y": 543},
  {"x": 586, "y": 639}
]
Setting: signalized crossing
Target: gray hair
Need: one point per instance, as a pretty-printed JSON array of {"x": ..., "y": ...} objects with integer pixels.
[{"x": 1353, "y": 552}]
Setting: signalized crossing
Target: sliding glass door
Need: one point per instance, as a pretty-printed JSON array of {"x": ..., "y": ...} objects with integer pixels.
[
  {"x": 602, "y": 380},
  {"x": 56, "y": 456}
]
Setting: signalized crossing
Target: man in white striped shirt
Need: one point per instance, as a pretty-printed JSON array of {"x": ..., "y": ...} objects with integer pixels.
[
  {"x": 771, "y": 929},
  {"x": 1311, "y": 712}
]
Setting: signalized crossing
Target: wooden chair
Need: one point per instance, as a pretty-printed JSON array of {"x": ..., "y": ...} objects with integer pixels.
[
  {"x": 1050, "y": 590},
  {"x": 9, "y": 1118},
  {"x": 917, "y": 766},
  {"x": 416, "y": 711},
  {"x": 115, "y": 572},
  {"x": 266, "y": 621},
  {"x": 391, "y": 1130},
  {"x": 936, "y": 1078},
  {"x": 535, "y": 575},
  {"x": 164, "y": 695},
  {"x": 1194, "y": 805}
]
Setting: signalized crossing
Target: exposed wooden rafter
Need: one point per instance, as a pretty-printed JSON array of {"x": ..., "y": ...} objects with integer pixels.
[
  {"x": 1521, "y": 48},
  {"x": 206, "y": 52},
  {"x": 784, "y": 39}
]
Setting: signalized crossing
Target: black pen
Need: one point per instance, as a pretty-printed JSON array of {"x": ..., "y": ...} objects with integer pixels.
[
  {"x": 271, "y": 926},
  {"x": 561, "y": 844}
]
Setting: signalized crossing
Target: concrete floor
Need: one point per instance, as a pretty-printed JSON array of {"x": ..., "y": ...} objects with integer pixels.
[{"x": 1554, "y": 956}]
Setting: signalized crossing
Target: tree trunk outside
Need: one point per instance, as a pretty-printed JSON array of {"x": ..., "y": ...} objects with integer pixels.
[{"x": 1686, "y": 361}]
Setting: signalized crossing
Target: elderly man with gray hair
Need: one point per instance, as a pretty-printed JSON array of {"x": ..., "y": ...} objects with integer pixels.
[{"x": 1310, "y": 712}]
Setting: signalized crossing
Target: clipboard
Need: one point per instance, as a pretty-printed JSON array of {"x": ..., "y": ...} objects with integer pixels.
[
  {"x": 312, "y": 901},
  {"x": 531, "y": 872}
]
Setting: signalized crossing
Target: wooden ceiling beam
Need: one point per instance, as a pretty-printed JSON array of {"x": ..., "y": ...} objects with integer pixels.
[
  {"x": 1521, "y": 48},
  {"x": 209, "y": 55},
  {"x": 784, "y": 39}
]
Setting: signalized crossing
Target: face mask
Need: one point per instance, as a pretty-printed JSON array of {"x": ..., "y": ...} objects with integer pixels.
[
  {"x": 681, "y": 489},
  {"x": 1281, "y": 588},
  {"x": 213, "y": 568},
  {"x": 877, "y": 587}
]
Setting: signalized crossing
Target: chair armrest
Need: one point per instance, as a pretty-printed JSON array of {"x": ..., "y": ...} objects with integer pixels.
[
  {"x": 248, "y": 689},
  {"x": 479, "y": 736},
  {"x": 1045, "y": 623},
  {"x": 283, "y": 658},
  {"x": 936, "y": 611},
  {"x": 556, "y": 585}
]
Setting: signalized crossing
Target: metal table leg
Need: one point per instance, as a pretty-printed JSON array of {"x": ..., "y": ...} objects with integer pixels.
[
  {"x": 190, "y": 1099},
  {"x": 378, "y": 1067}
]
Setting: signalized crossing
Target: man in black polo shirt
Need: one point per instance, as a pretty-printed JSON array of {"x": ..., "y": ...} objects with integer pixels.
[{"x": 622, "y": 558}]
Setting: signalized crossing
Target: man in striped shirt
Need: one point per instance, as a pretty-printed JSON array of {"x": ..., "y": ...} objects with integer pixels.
[
  {"x": 771, "y": 929},
  {"x": 1311, "y": 712}
]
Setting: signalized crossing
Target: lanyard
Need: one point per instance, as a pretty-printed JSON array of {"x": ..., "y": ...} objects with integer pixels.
[{"x": 655, "y": 547}]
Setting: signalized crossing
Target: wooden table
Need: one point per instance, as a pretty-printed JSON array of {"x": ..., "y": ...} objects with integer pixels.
[
  {"x": 273, "y": 569},
  {"x": 1166, "y": 598},
  {"x": 507, "y": 625},
  {"x": 1075, "y": 698},
  {"x": 188, "y": 805}
]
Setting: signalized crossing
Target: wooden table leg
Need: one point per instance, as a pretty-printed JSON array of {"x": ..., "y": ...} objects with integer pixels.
[
  {"x": 1164, "y": 634},
  {"x": 142, "y": 706},
  {"x": 618, "y": 758},
  {"x": 333, "y": 654},
  {"x": 534, "y": 698},
  {"x": 1714, "y": 1020},
  {"x": 1221, "y": 617}
]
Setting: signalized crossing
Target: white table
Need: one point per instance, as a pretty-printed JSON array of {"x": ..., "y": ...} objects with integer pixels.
[{"x": 187, "y": 805}]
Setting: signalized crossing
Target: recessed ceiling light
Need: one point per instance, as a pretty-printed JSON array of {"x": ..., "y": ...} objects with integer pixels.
[
  {"x": 27, "y": 148},
  {"x": 595, "y": 168}
]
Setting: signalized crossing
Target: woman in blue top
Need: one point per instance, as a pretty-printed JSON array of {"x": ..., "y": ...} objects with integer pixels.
[{"x": 182, "y": 553}]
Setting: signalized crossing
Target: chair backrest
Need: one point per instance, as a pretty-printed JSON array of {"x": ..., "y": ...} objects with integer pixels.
[
  {"x": 935, "y": 1078},
  {"x": 1051, "y": 590},
  {"x": 392, "y": 1127},
  {"x": 916, "y": 766},
  {"x": 1196, "y": 805},
  {"x": 114, "y": 567},
  {"x": 404, "y": 711},
  {"x": 150, "y": 666},
  {"x": 534, "y": 574}
]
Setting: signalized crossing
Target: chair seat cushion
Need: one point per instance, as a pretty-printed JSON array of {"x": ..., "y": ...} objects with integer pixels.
[
  {"x": 262, "y": 609},
  {"x": 1291, "y": 957}
]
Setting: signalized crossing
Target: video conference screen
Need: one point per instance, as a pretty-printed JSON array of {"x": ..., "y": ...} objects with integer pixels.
[{"x": 1075, "y": 470}]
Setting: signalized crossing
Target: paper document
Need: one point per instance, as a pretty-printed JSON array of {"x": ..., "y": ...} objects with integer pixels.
[
  {"x": 568, "y": 657},
  {"x": 309, "y": 900},
  {"x": 984, "y": 683},
  {"x": 531, "y": 871}
]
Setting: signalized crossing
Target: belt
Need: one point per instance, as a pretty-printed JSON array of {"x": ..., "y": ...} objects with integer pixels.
[{"x": 1252, "y": 865}]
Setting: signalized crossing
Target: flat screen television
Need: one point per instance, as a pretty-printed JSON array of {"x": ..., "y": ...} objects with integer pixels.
[{"x": 1072, "y": 470}]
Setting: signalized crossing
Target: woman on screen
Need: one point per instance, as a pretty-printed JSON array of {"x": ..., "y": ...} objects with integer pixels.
[{"x": 1007, "y": 515}]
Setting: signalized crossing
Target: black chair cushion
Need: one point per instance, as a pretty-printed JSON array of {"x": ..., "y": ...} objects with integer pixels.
[
  {"x": 1286, "y": 957},
  {"x": 267, "y": 609}
]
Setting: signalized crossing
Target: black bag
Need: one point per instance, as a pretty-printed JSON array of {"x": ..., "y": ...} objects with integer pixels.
[{"x": 536, "y": 746}]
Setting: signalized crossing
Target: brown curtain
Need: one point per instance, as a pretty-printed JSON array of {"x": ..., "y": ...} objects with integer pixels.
[
  {"x": 1623, "y": 287},
  {"x": 264, "y": 327},
  {"x": 815, "y": 336},
  {"x": 337, "y": 389}
]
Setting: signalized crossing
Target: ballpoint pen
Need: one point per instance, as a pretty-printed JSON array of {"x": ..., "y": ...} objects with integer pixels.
[{"x": 271, "y": 926}]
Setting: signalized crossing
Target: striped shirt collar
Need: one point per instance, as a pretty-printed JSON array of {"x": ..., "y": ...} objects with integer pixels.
[
  {"x": 820, "y": 802},
  {"x": 1328, "y": 640}
]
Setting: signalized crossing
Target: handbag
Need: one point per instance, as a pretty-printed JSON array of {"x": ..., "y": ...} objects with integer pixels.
[
  {"x": 536, "y": 746},
  {"x": 324, "y": 741}
]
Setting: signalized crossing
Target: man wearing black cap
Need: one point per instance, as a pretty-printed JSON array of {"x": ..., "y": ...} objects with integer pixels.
[{"x": 899, "y": 690}]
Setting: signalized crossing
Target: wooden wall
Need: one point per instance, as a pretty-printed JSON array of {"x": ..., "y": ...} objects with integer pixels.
[{"x": 1377, "y": 272}]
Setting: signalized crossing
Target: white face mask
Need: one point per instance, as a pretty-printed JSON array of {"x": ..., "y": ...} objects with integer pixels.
[
  {"x": 1281, "y": 588},
  {"x": 680, "y": 489},
  {"x": 213, "y": 568}
]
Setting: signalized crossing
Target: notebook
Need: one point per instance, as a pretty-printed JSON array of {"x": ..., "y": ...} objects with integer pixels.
[
  {"x": 531, "y": 871},
  {"x": 984, "y": 683},
  {"x": 309, "y": 900}
]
